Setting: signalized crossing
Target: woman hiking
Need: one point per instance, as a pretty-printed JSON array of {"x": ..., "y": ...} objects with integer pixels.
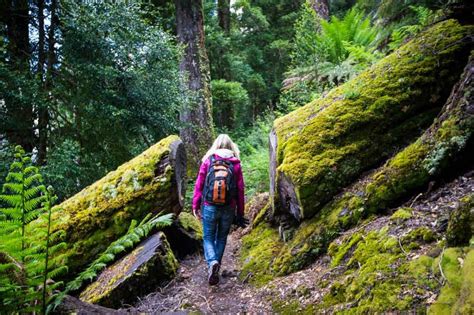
[{"x": 219, "y": 192}]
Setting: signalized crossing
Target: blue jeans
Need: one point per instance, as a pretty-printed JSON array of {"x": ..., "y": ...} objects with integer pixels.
[{"x": 216, "y": 222}]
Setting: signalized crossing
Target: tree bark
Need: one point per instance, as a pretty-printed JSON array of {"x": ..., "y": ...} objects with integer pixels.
[
  {"x": 223, "y": 14},
  {"x": 197, "y": 132},
  {"x": 152, "y": 182},
  {"x": 322, "y": 147},
  {"x": 42, "y": 107},
  {"x": 19, "y": 129},
  {"x": 321, "y": 7}
]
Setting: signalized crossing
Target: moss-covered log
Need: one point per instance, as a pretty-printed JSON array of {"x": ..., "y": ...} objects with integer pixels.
[
  {"x": 135, "y": 275},
  {"x": 152, "y": 182},
  {"x": 322, "y": 147},
  {"x": 448, "y": 141}
]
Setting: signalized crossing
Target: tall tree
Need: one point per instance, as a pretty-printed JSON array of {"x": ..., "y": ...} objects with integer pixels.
[
  {"x": 19, "y": 129},
  {"x": 197, "y": 132},
  {"x": 321, "y": 7},
  {"x": 223, "y": 13}
]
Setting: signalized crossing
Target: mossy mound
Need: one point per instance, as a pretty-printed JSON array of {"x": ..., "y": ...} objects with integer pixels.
[
  {"x": 135, "y": 275},
  {"x": 98, "y": 215},
  {"x": 259, "y": 248},
  {"x": 461, "y": 223},
  {"x": 320, "y": 148},
  {"x": 457, "y": 295}
]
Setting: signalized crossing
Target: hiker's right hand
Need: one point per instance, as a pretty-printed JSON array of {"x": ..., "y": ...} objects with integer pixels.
[{"x": 197, "y": 214}]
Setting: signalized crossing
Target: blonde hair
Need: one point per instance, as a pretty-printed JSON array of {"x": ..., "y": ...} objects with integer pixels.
[{"x": 222, "y": 141}]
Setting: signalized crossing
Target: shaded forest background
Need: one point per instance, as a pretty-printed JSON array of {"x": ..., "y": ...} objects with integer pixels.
[{"x": 87, "y": 86}]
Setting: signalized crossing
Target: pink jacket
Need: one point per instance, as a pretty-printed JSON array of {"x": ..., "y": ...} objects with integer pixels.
[{"x": 201, "y": 178}]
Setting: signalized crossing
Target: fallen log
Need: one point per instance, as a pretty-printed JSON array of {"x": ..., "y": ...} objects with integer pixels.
[
  {"x": 152, "y": 182},
  {"x": 319, "y": 149},
  {"x": 133, "y": 276}
]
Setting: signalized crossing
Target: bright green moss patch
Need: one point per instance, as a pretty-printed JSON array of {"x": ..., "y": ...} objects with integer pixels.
[
  {"x": 258, "y": 251},
  {"x": 325, "y": 145},
  {"x": 190, "y": 223},
  {"x": 456, "y": 296},
  {"x": 402, "y": 214}
]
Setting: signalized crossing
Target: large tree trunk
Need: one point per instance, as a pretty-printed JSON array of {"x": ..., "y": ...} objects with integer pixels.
[
  {"x": 152, "y": 182},
  {"x": 320, "y": 148},
  {"x": 321, "y": 7},
  {"x": 223, "y": 14},
  {"x": 19, "y": 127},
  {"x": 197, "y": 133}
]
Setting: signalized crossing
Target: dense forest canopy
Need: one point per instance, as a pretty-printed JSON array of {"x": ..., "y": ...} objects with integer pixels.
[{"x": 86, "y": 86}]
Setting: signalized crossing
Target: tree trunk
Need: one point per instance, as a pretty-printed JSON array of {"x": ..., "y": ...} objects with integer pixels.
[
  {"x": 197, "y": 132},
  {"x": 321, "y": 7},
  {"x": 223, "y": 13},
  {"x": 320, "y": 148},
  {"x": 152, "y": 182},
  {"x": 42, "y": 107},
  {"x": 20, "y": 121}
]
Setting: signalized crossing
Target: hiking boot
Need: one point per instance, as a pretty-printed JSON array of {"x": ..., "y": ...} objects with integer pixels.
[{"x": 214, "y": 273}]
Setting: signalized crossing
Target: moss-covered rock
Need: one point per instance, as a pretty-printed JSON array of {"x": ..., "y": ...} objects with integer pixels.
[
  {"x": 152, "y": 182},
  {"x": 322, "y": 147},
  {"x": 461, "y": 223},
  {"x": 135, "y": 275}
]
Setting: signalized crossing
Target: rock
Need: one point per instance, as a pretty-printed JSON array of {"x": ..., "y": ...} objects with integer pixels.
[
  {"x": 322, "y": 147},
  {"x": 185, "y": 235},
  {"x": 152, "y": 182},
  {"x": 135, "y": 275}
]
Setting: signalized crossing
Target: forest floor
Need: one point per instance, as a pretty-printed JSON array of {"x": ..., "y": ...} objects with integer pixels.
[{"x": 190, "y": 292}]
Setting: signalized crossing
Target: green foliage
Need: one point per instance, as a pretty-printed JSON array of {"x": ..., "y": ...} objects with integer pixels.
[
  {"x": 253, "y": 145},
  {"x": 29, "y": 257},
  {"x": 424, "y": 17},
  {"x": 230, "y": 103},
  {"x": 327, "y": 53}
]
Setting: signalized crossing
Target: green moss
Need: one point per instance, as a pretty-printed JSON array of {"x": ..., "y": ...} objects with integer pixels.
[
  {"x": 291, "y": 307},
  {"x": 190, "y": 223},
  {"x": 326, "y": 144},
  {"x": 261, "y": 214},
  {"x": 421, "y": 234},
  {"x": 338, "y": 252},
  {"x": 259, "y": 248},
  {"x": 461, "y": 222},
  {"x": 457, "y": 296},
  {"x": 402, "y": 214},
  {"x": 102, "y": 212}
]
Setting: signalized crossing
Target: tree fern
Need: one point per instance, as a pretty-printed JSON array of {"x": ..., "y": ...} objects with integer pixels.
[{"x": 27, "y": 261}]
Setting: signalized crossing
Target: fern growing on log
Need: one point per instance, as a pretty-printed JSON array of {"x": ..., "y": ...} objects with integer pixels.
[
  {"x": 135, "y": 234},
  {"x": 24, "y": 252}
]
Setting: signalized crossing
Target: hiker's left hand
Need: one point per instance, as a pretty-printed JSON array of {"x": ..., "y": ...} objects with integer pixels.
[{"x": 197, "y": 214}]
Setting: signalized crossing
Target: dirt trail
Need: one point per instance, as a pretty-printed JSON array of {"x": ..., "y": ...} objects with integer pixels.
[{"x": 190, "y": 291}]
